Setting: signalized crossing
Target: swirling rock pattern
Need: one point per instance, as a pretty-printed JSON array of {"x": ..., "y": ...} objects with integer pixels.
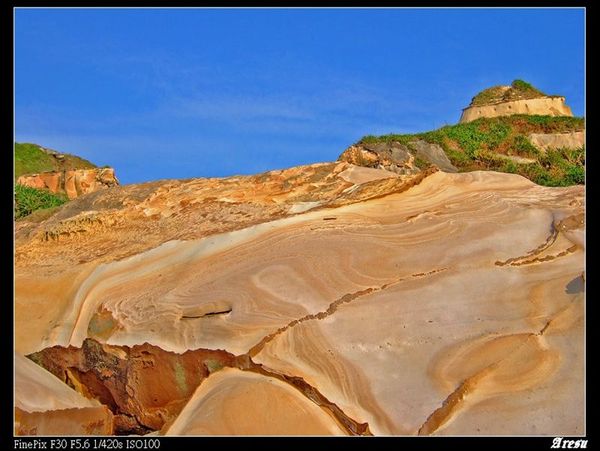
[{"x": 434, "y": 303}]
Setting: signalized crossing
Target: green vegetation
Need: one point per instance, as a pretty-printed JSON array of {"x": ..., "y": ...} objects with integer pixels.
[
  {"x": 28, "y": 200},
  {"x": 489, "y": 144},
  {"x": 519, "y": 89},
  {"x": 421, "y": 164},
  {"x": 31, "y": 159}
]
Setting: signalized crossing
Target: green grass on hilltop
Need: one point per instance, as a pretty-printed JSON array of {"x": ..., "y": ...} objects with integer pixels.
[
  {"x": 30, "y": 159},
  {"x": 485, "y": 143},
  {"x": 28, "y": 200},
  {"x": 519, "y": 89}
]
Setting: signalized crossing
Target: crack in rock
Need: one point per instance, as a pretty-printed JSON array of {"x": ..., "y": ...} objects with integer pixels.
[
  {"x": 453, "y": 403},
  {"x": 332, "y": 308}
]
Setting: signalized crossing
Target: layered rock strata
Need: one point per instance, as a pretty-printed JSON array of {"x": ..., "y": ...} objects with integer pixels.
[
  {"x": 350, "y": 300},
  {"x": 547, "y": 106}
]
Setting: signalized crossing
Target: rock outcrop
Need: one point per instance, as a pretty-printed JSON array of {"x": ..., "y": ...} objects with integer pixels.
[
  {"x": 550, "y": 106},
  {"x": 143, "y": 386},
  {"x": 518, "y": 98},
  {"x": 348, "y": 300},
  {"x": 545, "y": 141},
  {"x": 73, "y": 182},
  {"x": 46, "y": 406},
  {"x": 404, "y": 159}
]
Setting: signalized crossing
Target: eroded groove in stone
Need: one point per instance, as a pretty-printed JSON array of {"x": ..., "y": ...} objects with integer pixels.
[
  {"x": 484, "y": 383},
  {"x": 347, "y": 298},
  {"x": 386, "y": 309}
]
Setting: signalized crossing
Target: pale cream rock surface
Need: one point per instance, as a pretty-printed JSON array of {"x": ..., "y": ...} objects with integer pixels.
[
  {"x": 37, "y": 390},
  {"x": 234, "y": 402},
  {"x": 545, "y": 141}
]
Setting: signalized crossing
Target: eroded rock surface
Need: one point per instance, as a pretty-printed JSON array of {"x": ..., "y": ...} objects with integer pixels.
[
  {"x": 65, "y": 422},
  {"x": 73, "y": 183},
  {"x": 417, "y": 303},
  {"x": 46, "y": 406},
  {"x": 144, "y": 386},
  {"x": 235, "y": 402}
]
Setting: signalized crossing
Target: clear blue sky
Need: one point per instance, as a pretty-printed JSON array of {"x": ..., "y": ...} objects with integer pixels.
[{"x": 178, "y": 93}]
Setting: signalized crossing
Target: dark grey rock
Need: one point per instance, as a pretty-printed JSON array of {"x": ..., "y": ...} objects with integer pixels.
[{"x": 434, "y": 154}]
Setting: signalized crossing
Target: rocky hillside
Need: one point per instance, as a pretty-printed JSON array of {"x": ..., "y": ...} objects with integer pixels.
[
  {"x": 33, "y": 159},
  {"x": 329, "y": 299},
  {"x": 45, "y": 179},
  {"x": 366, "y": 296},
  {"x": 545, "y": 149}
]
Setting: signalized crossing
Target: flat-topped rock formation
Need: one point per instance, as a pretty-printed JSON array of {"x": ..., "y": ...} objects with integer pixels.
[
  {"x": 324, "y": 299},
  {"x": 519, "y": 98}
]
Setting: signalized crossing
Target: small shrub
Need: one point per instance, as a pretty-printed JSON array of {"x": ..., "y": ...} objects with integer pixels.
[
  {"x": 524, "y": 87},
  {"x": 421, "y": 164},
  {"x": 523, "y": 147},
  {"x": 28, "y": 200}
]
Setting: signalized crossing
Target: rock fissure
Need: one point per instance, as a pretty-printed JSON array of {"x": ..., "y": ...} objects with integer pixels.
[
  {"x": 332, "y": 308},
  {"x": 536, "y": 255},
  {"x": 452, "y": 404}
]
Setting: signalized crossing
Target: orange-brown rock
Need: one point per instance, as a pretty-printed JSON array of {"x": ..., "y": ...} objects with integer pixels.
[
  {"x": 73, "y": 183},
  {"x": 144, "y": 386}
]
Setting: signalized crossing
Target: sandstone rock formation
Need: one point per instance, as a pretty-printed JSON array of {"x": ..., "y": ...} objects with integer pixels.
[
  {"x": 236, "y": 402},
  {"x": 518, "y": 98},
  {"x": 550, "y": 106},
  {"x": 45, "y": 406},
  {"x": 405, "y": 159},
  {"x": 545, "y": 141},
  {"x": 144, "y": 386},
  {"x": 347, "y": 300},
  {"x": 73, "y": 182}
]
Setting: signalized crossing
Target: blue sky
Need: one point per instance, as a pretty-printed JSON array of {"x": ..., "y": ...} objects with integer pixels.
[{"x": 179, "y": 93}]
